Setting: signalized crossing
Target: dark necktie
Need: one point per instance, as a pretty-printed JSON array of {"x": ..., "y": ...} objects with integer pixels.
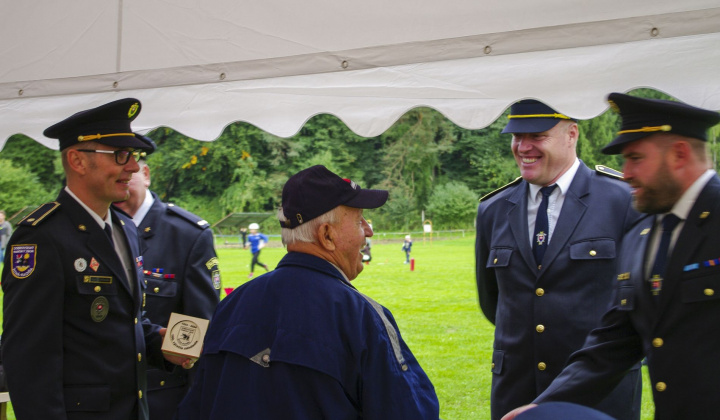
[
  {"x": 108, "y": 232},
  {"x": 658, "y": 270},
  {"x": 541, "y": 236}
]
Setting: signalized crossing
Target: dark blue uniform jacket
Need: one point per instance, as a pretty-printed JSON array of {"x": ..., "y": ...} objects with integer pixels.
[
  {"x": 182, "y": 275},
  {"x": 542, "y": 316},
  {"x": 73, "y": 336},
  {"x": 679, "y": 332},
  {"x": 302, "y": 343}
]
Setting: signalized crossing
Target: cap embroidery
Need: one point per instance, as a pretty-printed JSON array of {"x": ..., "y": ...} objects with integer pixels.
[{"x": 133, "y": 109}]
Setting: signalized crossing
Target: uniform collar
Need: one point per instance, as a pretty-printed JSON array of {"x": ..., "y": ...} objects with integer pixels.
[
  {"x": 95, "y": 216},
  {"x": 683, "y": 206}
]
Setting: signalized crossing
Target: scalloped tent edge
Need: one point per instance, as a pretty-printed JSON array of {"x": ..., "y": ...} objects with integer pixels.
[{"x": 471, "y": 79}]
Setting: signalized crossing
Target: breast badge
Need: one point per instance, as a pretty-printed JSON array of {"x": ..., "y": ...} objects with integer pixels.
[
  {"x": 94, "y": 264},
  {"x": 80, "y": 265},
  {"x": 99, "y": 309},
  {"x": 23, "y": 260}
]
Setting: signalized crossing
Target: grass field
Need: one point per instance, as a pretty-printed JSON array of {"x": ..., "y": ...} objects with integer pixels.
[{"x": 436, "y": 309}]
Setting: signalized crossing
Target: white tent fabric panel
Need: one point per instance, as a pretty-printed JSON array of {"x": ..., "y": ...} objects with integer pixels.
[{"x": 198, "y": 66}]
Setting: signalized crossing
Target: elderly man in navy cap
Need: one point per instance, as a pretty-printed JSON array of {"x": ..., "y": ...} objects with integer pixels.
[
  {"x": 545, "y": 254},
  {"x": 665, "y": 306},
  {"x": 300, "y": 342},
  {"x": 74, "y": 339}
]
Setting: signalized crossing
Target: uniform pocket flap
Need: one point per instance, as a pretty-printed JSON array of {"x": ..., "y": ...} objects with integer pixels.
[
  {"x": 96, "y": 285},
  {"x": 701, "y": 288},
  {"x": 593, "y": 249},
  {"x": 160, "y": 288},
  {"x": 499, "y": 257}
]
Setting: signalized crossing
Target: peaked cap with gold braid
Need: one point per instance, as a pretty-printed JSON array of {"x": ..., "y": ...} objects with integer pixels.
[
  {"x": 531, "y": 116},
  {"x": 644, "y": 117},
  {"x": 107, "y": 124}
]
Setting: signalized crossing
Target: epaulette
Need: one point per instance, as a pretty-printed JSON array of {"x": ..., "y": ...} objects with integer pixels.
[
  {"x": 39, "y": 214},
  {"x": 612, "y": 173},
  {"x": 190, "y": 217},
  {"x": 490, "y": 194}
]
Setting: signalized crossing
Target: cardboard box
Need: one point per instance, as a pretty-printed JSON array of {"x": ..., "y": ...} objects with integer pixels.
[{"x": 185, "y": 335}]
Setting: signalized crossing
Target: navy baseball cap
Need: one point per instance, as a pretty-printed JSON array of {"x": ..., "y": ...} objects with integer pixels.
[
  {"x": 315, "y": 191},
  {"x": 645, "y": 117},
  {"x": 562, "y": 411},
  {"x": 531, "y": 116},
  {"x": 107, "y": 124}
]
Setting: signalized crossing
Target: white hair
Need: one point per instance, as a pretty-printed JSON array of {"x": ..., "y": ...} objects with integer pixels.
[{"x": 306, "y": 232}]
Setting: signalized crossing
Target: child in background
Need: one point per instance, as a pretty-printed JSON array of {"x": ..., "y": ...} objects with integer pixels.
[
  {"x": 407, "y": 245},
  {"x": 256, "y": 241}
]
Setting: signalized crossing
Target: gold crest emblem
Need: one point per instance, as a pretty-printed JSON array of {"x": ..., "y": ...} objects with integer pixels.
[{"x": 133, "y": 109}]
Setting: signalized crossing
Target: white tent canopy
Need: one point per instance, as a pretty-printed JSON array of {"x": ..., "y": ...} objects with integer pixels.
[{"x": 199, "y": 65}]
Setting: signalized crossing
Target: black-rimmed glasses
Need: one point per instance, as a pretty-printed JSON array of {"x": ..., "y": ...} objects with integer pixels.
[{"x": 122, "y": 157}]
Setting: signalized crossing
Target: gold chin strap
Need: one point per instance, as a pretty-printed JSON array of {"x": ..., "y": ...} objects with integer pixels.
[
  {"x": 559, "y": 116},
  {"x": 99, "y": 136},
  {"x": 647, "y": 129}
]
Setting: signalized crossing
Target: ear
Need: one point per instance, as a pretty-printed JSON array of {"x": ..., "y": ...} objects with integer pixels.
[
  {"x": 77, "y": 161},
  {"x": 146, "y": 173},
  {"x": 679, "y": 154},
  {"x": 573, "y": 133},
  {"x": 326, "y": 236}
]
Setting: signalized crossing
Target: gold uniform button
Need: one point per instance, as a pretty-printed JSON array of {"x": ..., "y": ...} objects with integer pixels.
[
  {"x": 709, "y": 292},
  {"x": 98, "y": 289},
  {"x": 660, "y": 386},
  {"x": 266, "y": 358},
  {"x": 136, "y": 320},
  {"x": 157, "y": 289},
  {"x": 542, "y": 366},
  {"x": 492, "y": 366},
  {"x": 140, "y": 394},
  {"x": 593, "y": 253},
  {"x": 139, "y": 357},
  {"x": 539, "y": 291},
  {"x": 623, "y": 302},
  {"x": 657, "y": 342},
  {"x": 162, "y": 383},
  {"x": 540, "y": 328},
  {"x": 404, "y": 368},
  {"x": 495, "y": 261}
]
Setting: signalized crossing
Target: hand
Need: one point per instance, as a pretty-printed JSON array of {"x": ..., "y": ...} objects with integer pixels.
[
  {"x": 185, "y": 362},
  {"x": 511, "y": 415}
]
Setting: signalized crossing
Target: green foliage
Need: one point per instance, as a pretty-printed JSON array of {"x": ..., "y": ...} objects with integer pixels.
[
  {"x": 20, "y": 188},
  {"x": 452, "y": 206},
  {"x": 36, "y": 158},
  {"x": 245, "y": 168}
]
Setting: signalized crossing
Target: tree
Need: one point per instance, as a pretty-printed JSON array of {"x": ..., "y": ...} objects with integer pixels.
[
  {"x": 452, "y": 206},
  {"x": 20, "y": 188},
  {"x": 36, "y": 158}
]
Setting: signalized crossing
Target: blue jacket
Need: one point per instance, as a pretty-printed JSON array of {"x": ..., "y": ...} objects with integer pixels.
[
  {"x": 182, "y": 275},
  {"x": 542, "y": 316},
  {"x": 254, "y": 240},
  {"x": 74, "y": 339},
  {"x": 679, "y": 334},
  {"x": 301, "y": 343}
]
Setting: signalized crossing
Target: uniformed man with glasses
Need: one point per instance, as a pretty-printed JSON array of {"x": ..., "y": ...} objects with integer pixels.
[{"x": 75, "y": 344}]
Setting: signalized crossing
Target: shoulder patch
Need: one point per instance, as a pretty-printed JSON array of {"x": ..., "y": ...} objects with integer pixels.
[
  {"x": 490, "y": 194},
  {"x": 612, "y": 173},
  {"x": 188, "y": 216},
  {"x": 39, "y": 214}
]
